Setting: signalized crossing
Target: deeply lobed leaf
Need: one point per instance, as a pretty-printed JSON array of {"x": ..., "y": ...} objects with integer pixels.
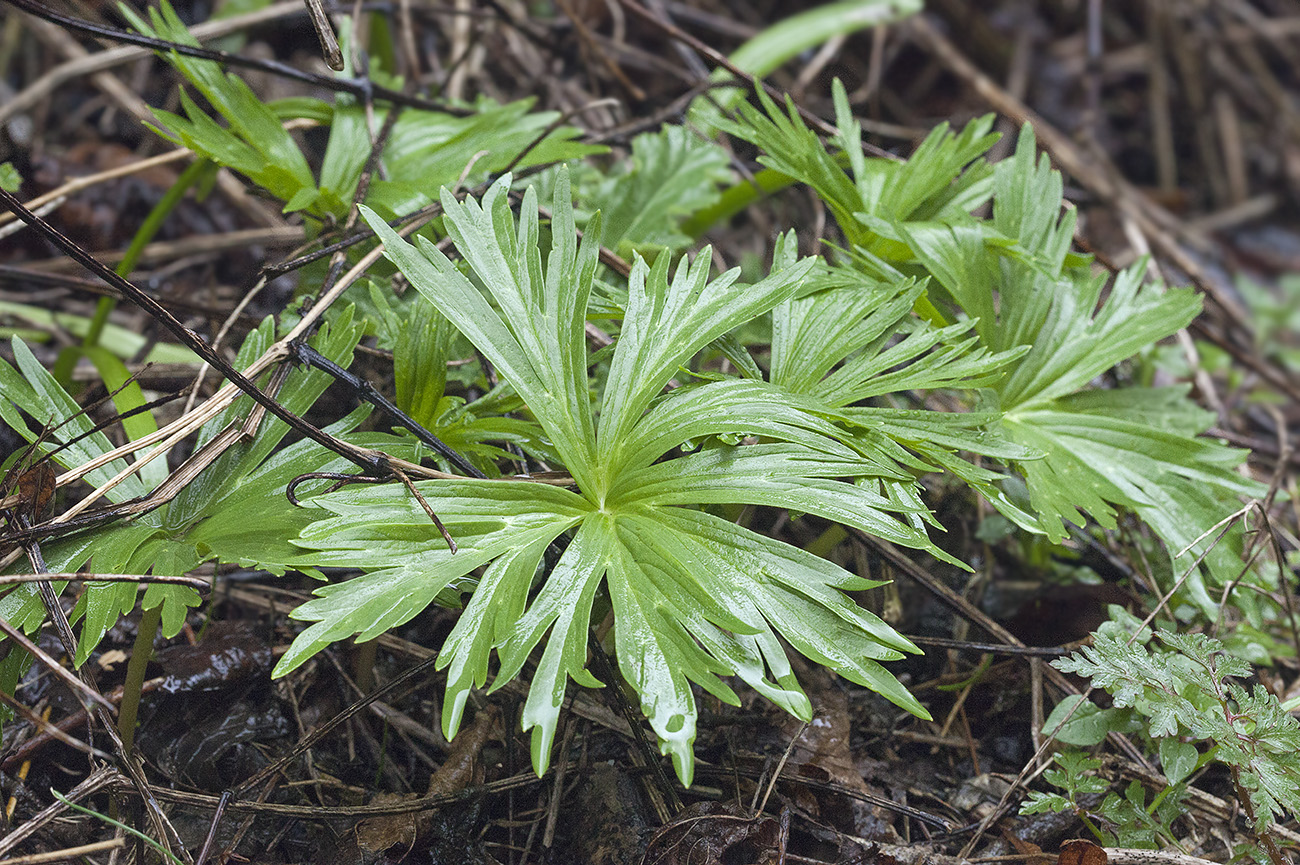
[
  {"x": 1046, "y": 327},
  {"x": 693, "y": 597}
]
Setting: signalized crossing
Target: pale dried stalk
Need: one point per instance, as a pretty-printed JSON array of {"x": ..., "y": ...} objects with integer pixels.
[
  {"x": 167, "y": 437},
  {"x": 103, "y": 60},
  {"x": 77, "y": 184}
]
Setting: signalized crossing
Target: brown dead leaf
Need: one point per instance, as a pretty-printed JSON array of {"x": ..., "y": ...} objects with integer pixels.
[
  {"x": 391, "y": 837},
  {"x": 823, "y": 753},
  {"x": 36, "y": 489},
  {"x": 1080, "y": 851}
]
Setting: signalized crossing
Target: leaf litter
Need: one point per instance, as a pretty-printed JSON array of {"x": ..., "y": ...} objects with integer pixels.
[{"x": 984, "y": 724}]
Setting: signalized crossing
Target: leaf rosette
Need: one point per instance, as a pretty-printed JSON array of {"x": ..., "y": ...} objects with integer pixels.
[{"x": 692, "y": 597}]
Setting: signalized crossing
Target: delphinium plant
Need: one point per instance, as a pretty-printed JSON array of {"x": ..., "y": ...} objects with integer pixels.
[{"x": 630, "y": 537}]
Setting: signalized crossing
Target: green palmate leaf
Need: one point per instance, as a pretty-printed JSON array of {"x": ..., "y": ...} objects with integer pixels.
[
  {"x": 257, "y": 144},
  {"x": 562, "y": 607},
  {"x": 1122, "y": 431},
  {"x": 33, "y": 390},
  {"x": 425, "y": 149},
  {"x": 814, "y": 333},
  {"x": 779, "y": 475},
  {"x": 1046, "y": 329},
  {"x": 693, "y": 597},
  {"x": 535, "y": 341},
  {"x": 938, "y": 181},
  {"x": 949, "y": 361},
  {"x": 234, "y": 511},
  {"x": 735, "y": 408},
  {"x": 863, "y": 329},
  {"x": 794, "y": 150},
  {"x": 487, "y": 519},
  {"x": 856, "y": 326},
  {"x": 1129, "y": 447},
  {"x": 672, "y": 175},
  {"x": 665, "y": 324}
]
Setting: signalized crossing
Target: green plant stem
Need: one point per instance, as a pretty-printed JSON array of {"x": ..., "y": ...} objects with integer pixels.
[
  {"x": 133, "y": 687},
  {"x": 148, "y": 230},
  {"x": 736, "y": 199},
  {"x": 827, "y": 541},
  {"x": 120, "y": 825},
  {"x": 1266, "y": 838},
  {"x": 363, "y": 665},
  {"x": 1091, "y": 826}
]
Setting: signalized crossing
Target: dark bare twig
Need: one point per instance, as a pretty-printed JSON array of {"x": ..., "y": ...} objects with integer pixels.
[
  {"x": 305, "y": 354},
  {"x": 370, "y": 461},
  {"x": 51, "y": 730},
  {"x": 410, "y": 487},
  {"x": 97, "y": 780},
  {"x": 84, "y": 691},
  {"x": 720, "y": 60},
  {"x": 356, "y": 87},
  {"x": 316, "y": 735},
  {"x": 195, "y": 583},
  {"x": 329, "y": 43},
  {"x": 341, "y": 480},
  {"x": 211, "y": 837},
  {"x": 377, "y": 146},
  {"x": 993, "y": 648},
  {"x": 318, "y": 812},
  {"x": 291, "y": 491}
]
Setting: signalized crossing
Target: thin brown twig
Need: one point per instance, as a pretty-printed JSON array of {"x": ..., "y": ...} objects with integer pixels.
[
  {"x": 329, "y": 43},
  {"x": 77, "y": 184},
  {"x": 720, "y": 60},
  {"x": 168, "y": 250},
  {"x": 97, "y": 780},
  {"x": 69, "y": 854},
  {"x": 86, "y": 577},
  {"x": 84, "y": 691},
  {"x": 52, "y": 730},
  {"x": 352, "y": 86},
  {"x": 584, "y": 33},
  {"x": 410, "y": 487},
  {"x": 776, "y": 773},
  {"x": 100, "y": 61},
  {"x": 320, "y": 732}
]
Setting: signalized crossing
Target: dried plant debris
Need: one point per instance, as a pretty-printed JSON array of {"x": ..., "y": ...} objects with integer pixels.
[{"x": 556, "y": 434}]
